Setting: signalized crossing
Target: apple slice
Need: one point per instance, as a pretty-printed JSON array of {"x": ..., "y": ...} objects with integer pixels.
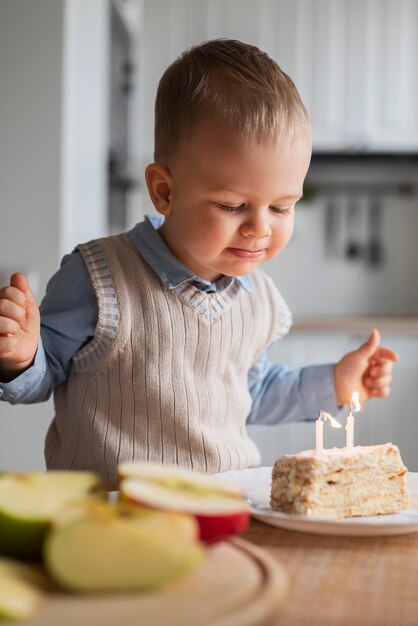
[
  {"x": 218, "y": 507},
  {"x": 100, "y": 546},
  {"x": 20, "y": 590},
  {"x": 29, "y": 502}
]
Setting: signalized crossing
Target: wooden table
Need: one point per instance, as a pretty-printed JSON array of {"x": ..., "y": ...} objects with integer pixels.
[{"x": 344, "y": 581}]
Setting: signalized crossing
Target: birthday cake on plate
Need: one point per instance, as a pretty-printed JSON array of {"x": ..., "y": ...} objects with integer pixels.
[{"x": 337, "y": 483}]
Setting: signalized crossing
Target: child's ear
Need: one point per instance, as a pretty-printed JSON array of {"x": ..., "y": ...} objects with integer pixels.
[{"x": 159, "y": 183}]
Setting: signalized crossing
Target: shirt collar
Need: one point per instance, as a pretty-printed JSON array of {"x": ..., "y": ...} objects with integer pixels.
[{"x": 169, "y": 268}]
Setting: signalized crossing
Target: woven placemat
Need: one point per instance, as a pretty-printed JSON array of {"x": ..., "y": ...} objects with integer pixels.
[{"x": 344, "y": 581}]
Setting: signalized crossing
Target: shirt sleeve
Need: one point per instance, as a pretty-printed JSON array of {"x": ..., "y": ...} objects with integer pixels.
[
  {"x": 68, "y": 321},
  {"x": 283, "y": 395}
]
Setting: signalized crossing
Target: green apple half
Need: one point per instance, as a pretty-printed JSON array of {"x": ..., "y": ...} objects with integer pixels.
[
  {"x": 20, "y": 590},
  {"x": 218, "y": 507},
  {"x": 110, "y": 547},
  {"x": 30, "y": 501}
]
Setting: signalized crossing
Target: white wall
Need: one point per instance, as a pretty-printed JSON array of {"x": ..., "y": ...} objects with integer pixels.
[
  {"x": 53, "y": 125},
  {"x": 85, "y": 115},
  {"x": 30, "y": 129}
]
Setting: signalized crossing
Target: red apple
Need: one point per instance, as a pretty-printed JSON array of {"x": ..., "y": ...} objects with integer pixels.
[{"x": 218, "y": 507}]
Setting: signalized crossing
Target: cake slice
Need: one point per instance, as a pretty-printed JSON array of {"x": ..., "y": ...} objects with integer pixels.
[{"x": 339, "y": 482}]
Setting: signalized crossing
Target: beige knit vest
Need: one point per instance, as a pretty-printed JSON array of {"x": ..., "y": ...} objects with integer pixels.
[{"x": 165, "y": 377}]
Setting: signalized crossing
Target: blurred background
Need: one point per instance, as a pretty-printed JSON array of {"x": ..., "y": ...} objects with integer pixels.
[{"x": 77, "y": 86}]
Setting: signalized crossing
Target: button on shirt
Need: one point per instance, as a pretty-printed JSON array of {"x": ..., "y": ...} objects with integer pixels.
[{"x": 68, "y": 321}]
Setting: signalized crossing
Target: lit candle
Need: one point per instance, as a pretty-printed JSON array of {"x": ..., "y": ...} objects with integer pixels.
[
  {"x": 319, "y": 428},
  {"x": 319, "y": 433},
  {"x": 349, "y": 427}
]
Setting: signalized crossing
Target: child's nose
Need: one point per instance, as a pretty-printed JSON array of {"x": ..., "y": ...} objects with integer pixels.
[{"x": 256, "y": 226}]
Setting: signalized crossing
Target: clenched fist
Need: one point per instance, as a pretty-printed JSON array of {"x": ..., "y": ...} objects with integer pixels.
[
  {"x": 367, "y": 370},
  {"x": 19, "y": 327}
]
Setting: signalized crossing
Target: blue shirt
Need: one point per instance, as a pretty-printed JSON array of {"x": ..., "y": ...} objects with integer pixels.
[{"x": 68, "y": 321}]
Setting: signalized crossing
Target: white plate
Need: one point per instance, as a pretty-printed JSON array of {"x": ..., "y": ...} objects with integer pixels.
[{"x": 255, "y": 484}]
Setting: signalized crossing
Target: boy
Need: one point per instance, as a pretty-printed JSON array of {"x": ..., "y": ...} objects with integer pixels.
[{"x": 154, "y": 341}]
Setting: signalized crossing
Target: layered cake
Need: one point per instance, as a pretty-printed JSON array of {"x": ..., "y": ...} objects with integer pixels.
[{"x": 340, "y": 482}]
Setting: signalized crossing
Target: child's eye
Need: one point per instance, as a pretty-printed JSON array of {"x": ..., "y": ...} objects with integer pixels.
[
  {"x": 281, "y": 210},
  {"x": 231, "y": 209}
]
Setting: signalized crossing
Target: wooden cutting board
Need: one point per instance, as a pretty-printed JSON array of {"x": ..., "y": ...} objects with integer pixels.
[{"x": 238, "y": 584}]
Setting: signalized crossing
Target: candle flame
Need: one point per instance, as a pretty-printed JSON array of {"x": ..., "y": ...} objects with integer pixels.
[
  {"x": 355, "y": 402},
  {"x": 327, "y": 416}
]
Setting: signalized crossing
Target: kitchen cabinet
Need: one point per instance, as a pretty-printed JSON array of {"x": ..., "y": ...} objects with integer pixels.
[
  {"x": 363, "y": 91},
  {"x": 393, "y": 419},
  {"x": 353, "y": 61}
]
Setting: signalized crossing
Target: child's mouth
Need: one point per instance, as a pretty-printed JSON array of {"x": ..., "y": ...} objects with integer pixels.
[{"x": 246, "y": 254}]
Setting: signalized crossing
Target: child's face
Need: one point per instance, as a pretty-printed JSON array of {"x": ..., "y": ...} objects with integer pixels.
[{"x": 229, "y": 204}]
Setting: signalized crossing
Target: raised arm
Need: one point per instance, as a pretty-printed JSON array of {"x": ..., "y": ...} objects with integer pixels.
[
  {"x": 367, "y": 370},
  {"x": 19, "y": 327}
]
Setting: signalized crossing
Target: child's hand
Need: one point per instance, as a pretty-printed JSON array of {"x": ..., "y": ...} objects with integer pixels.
[
  {"x": 367, "y": 370},
  {"x": 19, "y": 327}
]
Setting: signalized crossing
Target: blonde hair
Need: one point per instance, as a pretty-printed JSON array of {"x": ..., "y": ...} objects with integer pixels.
[{"x": 231, "y": 82}]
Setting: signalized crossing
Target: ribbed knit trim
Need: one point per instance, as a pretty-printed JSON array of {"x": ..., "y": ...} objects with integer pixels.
[
  {"x": 209, "y": 305},
  {"x": 108, "y": 318}
]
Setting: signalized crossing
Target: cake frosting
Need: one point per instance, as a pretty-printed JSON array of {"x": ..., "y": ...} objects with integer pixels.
[{"x": 335, "y": 483}]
